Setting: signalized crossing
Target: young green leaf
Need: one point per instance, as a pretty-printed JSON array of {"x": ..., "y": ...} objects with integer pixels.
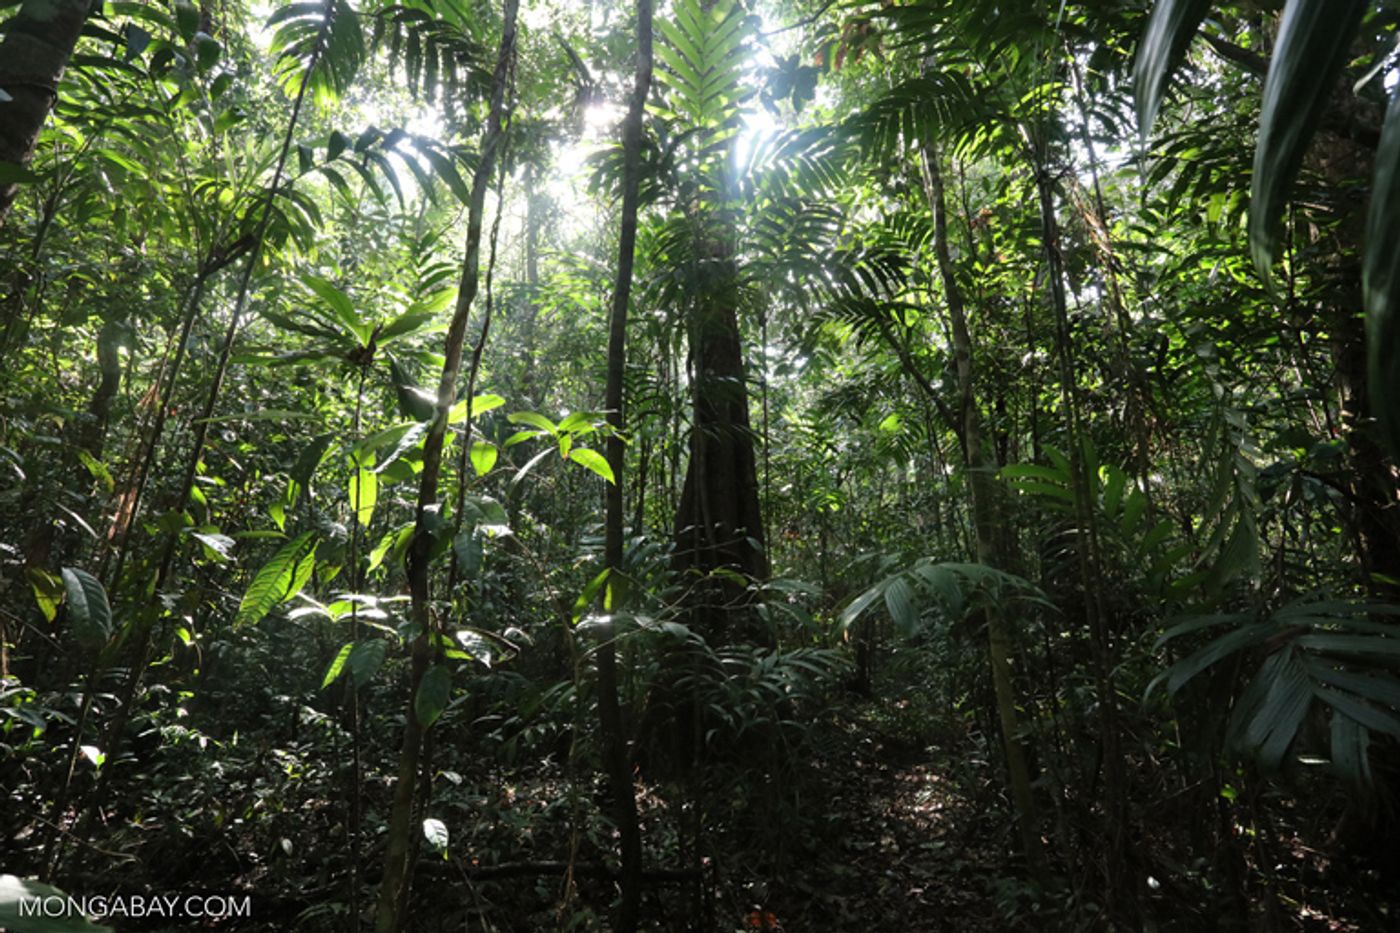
[
  {"x": 534, "y": 419},
  {"x": 48, "y": 591},
  {"x": 592, "y": 460},
  {"x": 364, "y": 493},
  {"x": 279, "y": 580},
  {"x": 480, "y": 405},
  {"x": 337, "y": 665},
  {"x": 484, "y": 456}
]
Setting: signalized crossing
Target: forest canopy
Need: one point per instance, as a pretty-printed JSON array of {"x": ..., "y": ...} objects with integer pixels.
[{"x": 705, "y": 465}]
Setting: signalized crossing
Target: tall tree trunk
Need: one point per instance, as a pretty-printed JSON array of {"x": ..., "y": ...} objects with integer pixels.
[
  {"x": 398, "y": 857},
  {"x": 609, "y": 711},
  {"x": 718, "y": 520},
  {"x": 982, "y": 485},
  {"x": 38, "y": 42}
]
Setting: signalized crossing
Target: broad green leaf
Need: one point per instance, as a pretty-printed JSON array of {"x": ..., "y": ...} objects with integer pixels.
[
  {"x": 337, "y": 144},
  {"x": 415, "y": 402},
  {"x": 944, "y": 583},
  {"x": 301, "y": 325},
  {"x": 1350, "y": 751},
  {"x": 1363, "y": 713},
  {"x": 480, "y": 405},
  {"x": 88, "y": 610},
  {"x": 207, "y": 51},
  {"x": 406, "y": 324},
  {"x": 1383, "y": 687},
  {"x": 443, "y": 167},
  {"x": 1052, "y": 490},
  {"x": 1197, "y": 623},
  {"x": 408, "y": 440},
  {"x": 364, "y": 493},
  {"x": 1238, "y": 639},
  {"x": 1314, "y": 39},
  {"x": 579, "y": 423},
  {"x": 1381, "y": 277},
  {"x": 434, "y": 692},
  {"x": 1358, "y": 645},
  {"x": 48, "y": 591},
  {"x": 1239, "y": 556},
  {"x": 468, "y": 551},
  {"x": 342, "y": 309},
  {"x": 1275, "y": 724},
  {"x": 592, "y": 460},
  {"x": 137, "y": 40},
  {"x": 310, "y": 459},
  {"x": 1035, "y": 471},
  {"x": 478, "y": 645},
  {"x": 217, "y": 547},
  {"x": 484, "y": 456},
  {"x": 1159, "y": 533},
  {"x": 279, "y": 580},
  {"x": 396, "y": 539},
  {"x": 1133, "y": 508},
  {"x": 534, "y": 419},
  {"x": 365, "y": 660},
  {"x": 16, "y": 893},
  {"x": 1170, "y": 29},
  {"x": 337, "y": 665},
  {"x": 187, "y": 19},
  {"x": 301, "y": 573},
  {"x": 1114, "y": 483},
  {"x": 589, "y": 593},
  {"x": 899, "y": 600}
]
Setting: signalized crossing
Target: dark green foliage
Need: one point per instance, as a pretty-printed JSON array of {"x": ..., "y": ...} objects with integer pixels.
[{"x": 225, "y": 598}]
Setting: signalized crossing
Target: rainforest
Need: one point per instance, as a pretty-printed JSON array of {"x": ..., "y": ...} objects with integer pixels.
[{"x": 699, "y": 465}]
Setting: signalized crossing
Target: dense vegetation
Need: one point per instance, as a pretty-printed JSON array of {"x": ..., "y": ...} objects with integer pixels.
[{"x": 742, "y": 464}]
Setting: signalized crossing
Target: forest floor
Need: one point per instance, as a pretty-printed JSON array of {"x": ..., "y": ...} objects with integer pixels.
[{"x": 907, "y": 849}]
